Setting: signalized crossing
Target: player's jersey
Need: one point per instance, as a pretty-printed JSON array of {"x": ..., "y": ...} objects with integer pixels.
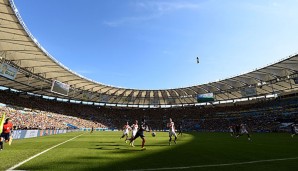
[
  {"x": 134, "y": 127},
  {"x": 243, "y": 129},
  {"x": 231, "y": 129},
  {"x": 126, "y": 128},
  {"x": 296, "y": 129},
  {"x": 142, "y": 127},
  {"x": 171, "y": 127},
  {"x": 237, "y": 128},
  {"x": 7, "y": 127}
]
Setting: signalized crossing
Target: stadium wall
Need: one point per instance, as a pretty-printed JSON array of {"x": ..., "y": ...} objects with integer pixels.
[
  {"x": 21, "y": 134},
  {"x": 98, "y": 129}
]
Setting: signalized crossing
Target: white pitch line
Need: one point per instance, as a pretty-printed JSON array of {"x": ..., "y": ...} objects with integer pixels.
[
  {"x": 215, "y": 165},
  {"x": 21, "y": 163}
]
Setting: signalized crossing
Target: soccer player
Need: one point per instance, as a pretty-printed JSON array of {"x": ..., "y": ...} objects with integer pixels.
[
  {"x": 237, "y": 130},
  {"x": 231, "y": 131},
  {"x": 180, "y": 129},
  {"x": 294, "y": 129},
  {"x": 126, "y": 128},
  {"x": 6, "y": 133},
  {"x": 92, "y": 129},
  {"x": 134, "y": 129},
  {"x": 172, "y": 132},
  {"x": 140, "y": 133},
  {"x": 243, "y": 130}
]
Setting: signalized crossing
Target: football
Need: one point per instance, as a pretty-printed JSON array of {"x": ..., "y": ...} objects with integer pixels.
[{"x": 153, "y": 134}]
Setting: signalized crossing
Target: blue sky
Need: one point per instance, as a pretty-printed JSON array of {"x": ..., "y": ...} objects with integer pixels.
[{"x": 153, "y": 44}]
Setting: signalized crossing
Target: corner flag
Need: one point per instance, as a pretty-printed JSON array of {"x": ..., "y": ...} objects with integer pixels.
[{"x": 2, "y": 122}]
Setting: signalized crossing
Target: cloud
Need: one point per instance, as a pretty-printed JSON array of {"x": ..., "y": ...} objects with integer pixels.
[
  {"x": 273, "y": 8},
  {"x": 168, "y": 6},
  {"x": 166, "y": 52},
  {"x": 153, "y": 10},
  {"x": 125, "y": 20}
]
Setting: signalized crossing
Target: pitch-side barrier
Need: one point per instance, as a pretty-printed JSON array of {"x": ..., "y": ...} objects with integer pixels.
[{"x": 21, "y": 134}]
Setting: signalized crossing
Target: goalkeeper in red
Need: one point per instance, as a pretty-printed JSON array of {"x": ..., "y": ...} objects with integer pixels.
[
  {"x": 172, "y": 132},
  {"x": 6, "y": 133}
]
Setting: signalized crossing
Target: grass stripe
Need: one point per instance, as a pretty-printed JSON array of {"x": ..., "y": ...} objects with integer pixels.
[
  {"x": 215, "y": 165},
  {"x": 25, "y": 161}
]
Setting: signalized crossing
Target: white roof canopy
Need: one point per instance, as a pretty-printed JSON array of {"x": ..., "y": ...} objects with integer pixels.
[{"x": 37, "y": 70}]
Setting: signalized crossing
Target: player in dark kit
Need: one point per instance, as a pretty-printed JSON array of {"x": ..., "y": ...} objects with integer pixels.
[
  {"x": 180, "y": 129},
  {"x": 140, "y": 133},
  {"x": 92, "y": 129},
  {"x": 6, "y": 133},
  {"x": 237, "y": 130}
]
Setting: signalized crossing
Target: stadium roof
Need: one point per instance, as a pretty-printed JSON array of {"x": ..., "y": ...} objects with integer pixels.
[{"x": 37, "y": 69}]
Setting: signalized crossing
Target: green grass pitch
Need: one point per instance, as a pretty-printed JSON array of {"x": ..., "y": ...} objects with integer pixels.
[{"x": 193, "y": 151}]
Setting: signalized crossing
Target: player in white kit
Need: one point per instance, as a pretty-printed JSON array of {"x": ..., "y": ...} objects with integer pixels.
[
  {"x": 243, "y": 130},
  {"x": 231, "y": 130},
  {"x": 294, "y": 129},
  {"x": 134, "y": 129},
  {"x": 172, "y": 132},
  {"x": 126, "y": 129}
]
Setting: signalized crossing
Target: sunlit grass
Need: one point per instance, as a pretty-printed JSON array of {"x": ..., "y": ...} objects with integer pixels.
[{"x": 106, "y": 151}]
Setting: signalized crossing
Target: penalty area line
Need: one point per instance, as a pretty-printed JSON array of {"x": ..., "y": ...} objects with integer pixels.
[
  {"x": 36, "y": 155},
  {"x": 215, "y": 165}
]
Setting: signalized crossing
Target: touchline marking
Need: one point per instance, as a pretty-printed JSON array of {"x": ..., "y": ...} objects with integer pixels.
[
  {"x": 215, "y": 165},
  {"x": 18, "y": 165}
]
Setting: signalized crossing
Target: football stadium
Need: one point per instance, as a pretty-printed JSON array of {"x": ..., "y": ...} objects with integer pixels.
[{"x": 53, "y": 118}]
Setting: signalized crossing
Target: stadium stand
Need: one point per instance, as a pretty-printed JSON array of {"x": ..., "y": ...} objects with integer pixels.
[
  {"x": 34, "y": 113},
  {"x": 261, "y": 115}
]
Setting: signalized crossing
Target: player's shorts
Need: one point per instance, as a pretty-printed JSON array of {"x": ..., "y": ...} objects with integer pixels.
[
  {"x": 134, "y": 133},
  {"x": 244, "y": 131},
  {"x": 5, "y": 136},
  {"x": 172, "y": 133},
  {"x": 139, "y": 134},
  {"x": 126, "y": 133}
]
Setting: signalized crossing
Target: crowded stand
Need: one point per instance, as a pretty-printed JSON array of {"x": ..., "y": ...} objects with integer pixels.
[
  {"x": 35, "y": 112},
  {"x": 36, "y": 119}
]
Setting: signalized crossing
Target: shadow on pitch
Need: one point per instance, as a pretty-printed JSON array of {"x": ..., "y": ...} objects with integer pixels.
[
  {"x": 103, "y": 142},
  {"x": 152, "y": 157},
  {"x": 114, "y": 156}
]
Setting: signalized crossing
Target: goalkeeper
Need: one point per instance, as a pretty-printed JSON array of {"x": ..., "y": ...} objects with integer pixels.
[{"x": 6, "y": 133}]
